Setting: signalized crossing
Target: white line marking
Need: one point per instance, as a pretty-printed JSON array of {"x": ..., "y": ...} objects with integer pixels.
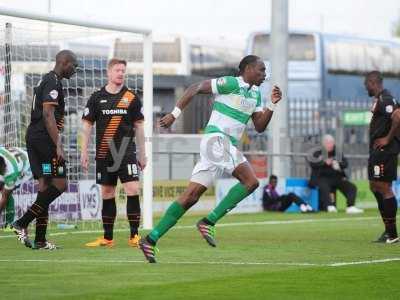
[
  {"x": 282, "y": 222},
  {"x": 298, "y": 264},
  {"x": 163, "y": 262},
  {"x": 364, "y": 262},
  {"x": 289, "y": 222}
]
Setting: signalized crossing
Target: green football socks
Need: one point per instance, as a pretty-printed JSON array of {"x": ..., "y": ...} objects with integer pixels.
[
  {"x": 10, "y": 210},
  {"x": 236, "y": 194},
  {"x": 174, "y": 212}
]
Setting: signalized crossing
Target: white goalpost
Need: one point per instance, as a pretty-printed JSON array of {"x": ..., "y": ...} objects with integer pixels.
[{"x": 28, "y": 44}]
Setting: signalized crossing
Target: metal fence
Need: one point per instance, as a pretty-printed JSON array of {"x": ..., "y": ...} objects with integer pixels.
[
  {"x": 309, "y": 119},
  {"x": 173, "y": 161}
]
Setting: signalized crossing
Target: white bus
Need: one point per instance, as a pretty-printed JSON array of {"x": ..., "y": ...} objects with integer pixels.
[{"x": 329, "y": 67}]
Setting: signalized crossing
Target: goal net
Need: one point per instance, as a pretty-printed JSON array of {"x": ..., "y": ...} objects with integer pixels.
[{"x": 27, "y": 52}]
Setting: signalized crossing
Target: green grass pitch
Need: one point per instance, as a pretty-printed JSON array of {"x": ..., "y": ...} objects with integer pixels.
[{"x": 259, "y": 256}]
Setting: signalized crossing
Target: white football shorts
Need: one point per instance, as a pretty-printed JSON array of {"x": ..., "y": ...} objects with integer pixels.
[{"x": 218, "y": 157}]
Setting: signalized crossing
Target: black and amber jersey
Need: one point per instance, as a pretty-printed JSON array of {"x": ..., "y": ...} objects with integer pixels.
[
  {"x": 49, "y": 91},
  {"x": 383, "y": 107},
  {"x": 115, "y": 115}
]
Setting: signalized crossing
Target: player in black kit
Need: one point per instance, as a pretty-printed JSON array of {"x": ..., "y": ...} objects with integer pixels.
[
  {"x": 45, "y": 150},
  {"x": 116, "y": 110},
  {"x": 383, "y": 150}
]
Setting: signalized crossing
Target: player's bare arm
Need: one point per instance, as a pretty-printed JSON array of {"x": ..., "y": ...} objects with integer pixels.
[
  {"x": 203, "y": 87},
  {"x": 86, "y": 131},
  {"x": 261, "y": 119},
  {"x": 394, "y": 129},
  {"x": 140, "y": 140},
  {"x": 51, "y": 126}
]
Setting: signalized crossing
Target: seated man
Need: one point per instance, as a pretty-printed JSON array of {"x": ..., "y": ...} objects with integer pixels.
[
  {"x": 272, "y": 201},
  {"x": 328, "y": 176},
  {"x": 14, "y": 170}
]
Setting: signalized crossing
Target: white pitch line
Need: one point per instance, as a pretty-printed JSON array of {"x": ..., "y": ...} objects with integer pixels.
[
  {"x": 289, "y": 222},
  {"x": 296, "y": 264},
  {"x": 257, "y": 223},
  {"x": 162, "y": 262},
  {"x": 364, "y": 262}
]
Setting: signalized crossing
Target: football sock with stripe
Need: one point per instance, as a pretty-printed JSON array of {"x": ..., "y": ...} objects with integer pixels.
[
  {"x": 108, "y": 214},
  {"x": 133, "y": 213},
  {"x": 379, "y": 200},
  {"x": 41, "y": 226},
  {"x": 389, "y": 216},
  {"x": 43, "y": 200}
]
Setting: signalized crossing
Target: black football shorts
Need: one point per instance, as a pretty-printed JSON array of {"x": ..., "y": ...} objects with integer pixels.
[
  {"x": 382, "y": 166},
  {"x": 42, "y": 155},
  {"x": 107, "y": 173}
]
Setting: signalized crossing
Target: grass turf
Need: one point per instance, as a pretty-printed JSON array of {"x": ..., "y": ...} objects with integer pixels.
[{"x": 189, "y": 269}]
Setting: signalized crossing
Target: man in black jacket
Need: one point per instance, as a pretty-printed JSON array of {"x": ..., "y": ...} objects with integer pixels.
[{"x": 328, "y": 176}]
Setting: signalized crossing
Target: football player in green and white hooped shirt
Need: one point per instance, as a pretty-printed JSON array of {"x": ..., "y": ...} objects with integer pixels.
[
  {"x": 14, "y": 170},
  {"x": 237, "y": 100}
]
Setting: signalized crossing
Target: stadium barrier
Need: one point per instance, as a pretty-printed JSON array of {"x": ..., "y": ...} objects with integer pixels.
[
  {"x": 171, "y": 166},
  {"x": 253, "y": 203},
  {"x": 250, "y": 204},
  {"x": 299, "y": 186},
  {"x": 83, "y": 201}
]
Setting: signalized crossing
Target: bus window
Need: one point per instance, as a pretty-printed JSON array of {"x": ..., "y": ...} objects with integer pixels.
[
  {"x": 357, "y": 57},
  {"x": 301, "y": 47}
]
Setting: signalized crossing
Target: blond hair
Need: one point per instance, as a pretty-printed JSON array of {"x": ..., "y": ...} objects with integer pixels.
[{"x": 115, "y": 61}]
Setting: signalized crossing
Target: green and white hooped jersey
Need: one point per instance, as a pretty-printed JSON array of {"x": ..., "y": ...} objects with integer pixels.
[
  {"x": 17, "y": 167},
  {"x": 233, "y": 106}
]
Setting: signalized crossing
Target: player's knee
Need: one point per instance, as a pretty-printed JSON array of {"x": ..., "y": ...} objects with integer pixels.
[
  {"x": 383, "y": 188},
  {"x": 372, "y": 187},
  {"x": 192, "y": 198},
  {"x": 131, "y": 188},
  {"x": 252, "y": 185},
  {"x": 42, "y": 186},
  {"x": 189, "y": 198},
  {"x": 107, "y": 192},
  {"x": 61, "y": 186},
  {"x": 387, "y": 191}
]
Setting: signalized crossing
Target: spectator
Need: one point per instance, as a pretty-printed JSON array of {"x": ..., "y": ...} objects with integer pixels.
[
  {"x": 272, "y": 201},
  {"x": 328, "y": 176}
]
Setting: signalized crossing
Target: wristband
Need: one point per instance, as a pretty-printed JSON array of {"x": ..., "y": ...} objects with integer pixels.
[
  {"x": 176, "y": 112},
  {"x": 271, "y": 106}
]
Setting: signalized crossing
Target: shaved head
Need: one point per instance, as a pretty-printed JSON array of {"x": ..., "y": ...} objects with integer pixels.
[
  {"x": 66, "y": 63},
  {"x": 375, "y": 76},
  {"x": 65, "y": 55},
  {"x": 373, "y": 83}
]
